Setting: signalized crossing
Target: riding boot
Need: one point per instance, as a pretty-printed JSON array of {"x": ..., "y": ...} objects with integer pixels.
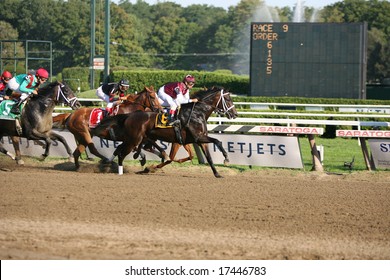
[{"x": 16, "y": 108}]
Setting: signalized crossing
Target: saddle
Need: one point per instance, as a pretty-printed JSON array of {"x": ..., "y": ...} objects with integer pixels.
[{"x": 162, "y": 122}]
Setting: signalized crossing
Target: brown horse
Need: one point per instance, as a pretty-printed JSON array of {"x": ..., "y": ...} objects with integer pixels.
[
  {"x": 78, "y": 122},
  {"x": 36, "y": 118},
  {"x": 139, "y": 127}
]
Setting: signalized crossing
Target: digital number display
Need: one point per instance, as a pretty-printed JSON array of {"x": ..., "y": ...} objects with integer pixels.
[{"x": 308, "y": 59}]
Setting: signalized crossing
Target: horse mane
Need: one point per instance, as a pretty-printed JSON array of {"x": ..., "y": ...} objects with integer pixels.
[
  {"x": 134, "y": 97},
  {"x": 47, "y": 89},
  {"x": 203, "y": 93}
]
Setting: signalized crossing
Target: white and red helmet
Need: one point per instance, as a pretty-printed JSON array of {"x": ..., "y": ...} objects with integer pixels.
[
  {"x": 189, "y": 79},
  {"x": 6, "y": 75}
]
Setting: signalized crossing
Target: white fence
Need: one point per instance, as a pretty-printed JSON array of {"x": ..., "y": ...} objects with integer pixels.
[{"x": 347, "y": 115}]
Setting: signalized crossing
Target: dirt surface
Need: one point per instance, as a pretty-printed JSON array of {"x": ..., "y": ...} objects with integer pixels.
[{"x": 50, "y": 211}]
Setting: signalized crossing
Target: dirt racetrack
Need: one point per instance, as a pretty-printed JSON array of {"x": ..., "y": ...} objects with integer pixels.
[{"x": 50, "y": 211}]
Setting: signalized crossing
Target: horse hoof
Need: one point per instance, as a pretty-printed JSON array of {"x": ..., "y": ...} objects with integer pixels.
[
  {"x": 226, "y": 162},
  {"x": 217, "y": 175},
  {"x": 19, "y": 162},
  {"x": 143, "y": 161},
  {"x": 71, "y": 159},
  {"x": 42, "y": 157},
  {"x": 147, "y": 170}
]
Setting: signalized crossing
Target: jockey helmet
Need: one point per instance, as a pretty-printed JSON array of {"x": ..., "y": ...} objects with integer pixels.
[
  {"x": 42, "y": 73},
  {"x": 124, "y": 83},
  {"x": 6, "y": 75},
  {"x": 189, "y": 79}
]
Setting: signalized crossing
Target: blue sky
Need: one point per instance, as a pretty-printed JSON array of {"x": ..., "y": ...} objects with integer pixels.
[{"x": 227, "y": 3}]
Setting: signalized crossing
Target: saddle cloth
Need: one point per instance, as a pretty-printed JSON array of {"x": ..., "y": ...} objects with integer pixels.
[
  {"x": 162, "y": 120},
  {"x": 5, "y": 109},
  {"x": 96, "y": 117}
]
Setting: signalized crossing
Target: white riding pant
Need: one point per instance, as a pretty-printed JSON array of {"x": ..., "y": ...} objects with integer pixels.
[
  {"x": 14, "y": 86},
  {"x": 167, "y": 100},
  {"x": 102, "y": 95}
]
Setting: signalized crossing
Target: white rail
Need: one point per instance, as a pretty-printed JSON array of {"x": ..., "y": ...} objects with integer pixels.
[{"x": 372, "y": 114}]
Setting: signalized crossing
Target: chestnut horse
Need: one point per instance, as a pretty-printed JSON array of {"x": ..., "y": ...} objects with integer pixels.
[
  {"x": 139, "y": 128},
  {"x": 78, "y": 122},
  {"x": 36, "y": 118}
]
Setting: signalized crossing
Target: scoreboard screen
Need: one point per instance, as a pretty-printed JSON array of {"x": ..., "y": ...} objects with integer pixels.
[{"x": 308, "y": 59}]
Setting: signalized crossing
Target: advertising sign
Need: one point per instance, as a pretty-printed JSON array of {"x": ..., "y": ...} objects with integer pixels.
[
  {"x": 380, "y": 150},
  {"x": 271, "y": 151}
]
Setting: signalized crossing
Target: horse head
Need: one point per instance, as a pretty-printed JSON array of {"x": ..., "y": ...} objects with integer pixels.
[
  {"x": 60, "y": 93},
  {"x": 220, "y": 99},
  {"x": 149, "y": 99}
]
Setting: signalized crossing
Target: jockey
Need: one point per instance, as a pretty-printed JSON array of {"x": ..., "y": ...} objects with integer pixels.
[
  {"x": 113, "y": 93},
  {"x": 5, "y": 77},
  {"x": 27, "y": 84},
  {"x": 174, "y": 94}
]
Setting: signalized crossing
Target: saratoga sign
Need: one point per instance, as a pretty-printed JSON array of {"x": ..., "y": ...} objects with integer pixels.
[
  {"x": 291, "y": 130},
  {"x": 364, "y": 133}
]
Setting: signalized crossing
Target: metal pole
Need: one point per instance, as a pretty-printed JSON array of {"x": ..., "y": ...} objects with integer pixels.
[
  {"x": 92, "y": 56},
  {"x": 107, "y": 43}
]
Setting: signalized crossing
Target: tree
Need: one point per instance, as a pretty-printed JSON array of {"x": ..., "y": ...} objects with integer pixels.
[{"x": 9, "y": 49}]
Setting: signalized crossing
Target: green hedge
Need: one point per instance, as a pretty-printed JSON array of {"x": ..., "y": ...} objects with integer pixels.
[
  {"x": 79, "y": 77},
  {"x": 139, "y": 78},
  {"x": 156, "y": 78}
]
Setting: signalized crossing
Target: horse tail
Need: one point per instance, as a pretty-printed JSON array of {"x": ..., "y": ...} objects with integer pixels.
[{"x": 59, "y": 121}]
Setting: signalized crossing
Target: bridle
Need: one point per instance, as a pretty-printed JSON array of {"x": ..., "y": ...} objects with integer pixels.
[
  {"x": 60, "y": 94},
  {"x": 225, "y": 107},
  {"x": 152, "y": 104}
]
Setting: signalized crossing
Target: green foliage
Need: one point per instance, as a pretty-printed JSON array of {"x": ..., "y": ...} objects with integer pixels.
[
  {"x": 79, "y": 76},
  {"x": 169, "y": 36},
  {"x": 140, "y": 78}
]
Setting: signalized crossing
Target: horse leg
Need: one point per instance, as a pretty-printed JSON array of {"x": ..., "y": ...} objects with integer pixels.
[
  {"x": 206, "y": 152},
  {"x": 122, "y": 151},
  {"x": 175, "y": 149},
  {"x": 220, "y": 148},
  {"x": 55, "y": 136},
  {"x": 77, "y": 153},
  {"x": 139, "y": 153},
  {"x": 47, "y": 149},
  {"x": 18, "y": 155},
  {"x": 6, "y": 152},
  {"x": 160, "y": 151}
]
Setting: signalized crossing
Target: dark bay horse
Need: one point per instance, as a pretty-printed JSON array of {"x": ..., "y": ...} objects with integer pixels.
[
  {"x": 36, "y": 118},
  {"x": 78, "y": 121},
  {"x": 139, "y": 128}
]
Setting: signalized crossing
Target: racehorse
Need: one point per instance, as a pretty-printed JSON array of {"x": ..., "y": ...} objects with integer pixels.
[
  {"x": 139, "y": 128},
  {"x": 78, "y": 121},
  {"x": 36, "y": 119}
]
